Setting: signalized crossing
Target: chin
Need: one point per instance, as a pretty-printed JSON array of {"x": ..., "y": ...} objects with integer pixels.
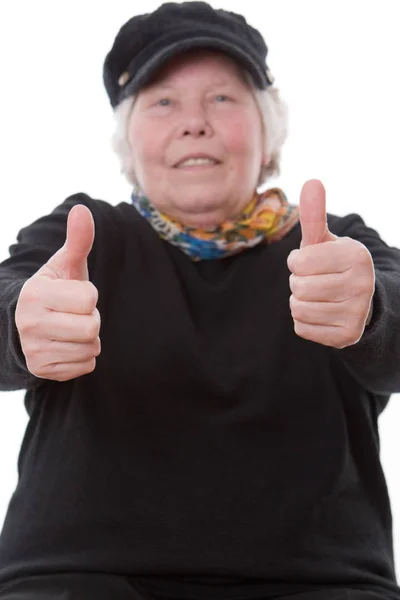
[{"x": 203, "y": 198}]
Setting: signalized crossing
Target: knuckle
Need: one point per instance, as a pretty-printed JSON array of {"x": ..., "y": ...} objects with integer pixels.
[
  {"x": 347, "y": 240},
  {"x": 92, "y": 295},
  {"x": 28, "y": 325},
  {"x": 300, "y": 263},
  {"x": 297, "y": 327},
  {"x": 97, "y": 347},
  {"x": 20, "y": 322},
  {"x": 97, "y": 317},
  {"x": 26, "y": 319},
  {"x": 89, "y": 367},
  {"x": 28, "y": 291},
  {"x": 368, "y": 285},
  {"x": 36, "y": 291},
  {"x": 362, "y": 286},
  {"x": 361, "y": 283},
  {"x": 87, "y": 296},
  {"x": 363, "y": 255},
  {"x": 92, "y": 329},
  {"x": 36, "y": 370},
  {"x": 299, "y": 287},
  {"x": 31, "y": 367},
  {"x": 295, "y": 307},
  {"x": 300, "y": 329},
  {"x": 33, "y": 350},
  {"x": 347, "y": 335}
]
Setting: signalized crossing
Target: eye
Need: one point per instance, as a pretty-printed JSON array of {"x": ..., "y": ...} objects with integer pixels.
[
  {"x": 221, "y": 98},
  {"x": 164, "y": 102}
]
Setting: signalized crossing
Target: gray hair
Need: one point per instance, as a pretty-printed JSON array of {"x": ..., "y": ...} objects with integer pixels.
[{"x": 274, "y": 114}]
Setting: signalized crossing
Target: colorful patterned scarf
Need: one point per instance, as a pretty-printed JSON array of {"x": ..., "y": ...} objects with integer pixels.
[{"x": 267, "y": 218}]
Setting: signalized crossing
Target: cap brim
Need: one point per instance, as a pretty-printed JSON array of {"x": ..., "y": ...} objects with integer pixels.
[{"x": 144, "y": 75}]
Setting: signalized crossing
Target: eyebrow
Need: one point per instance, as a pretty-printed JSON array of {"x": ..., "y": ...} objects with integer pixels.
[
  {"x": 166, "y": 86},
  {"x": 163, "y": 86}
]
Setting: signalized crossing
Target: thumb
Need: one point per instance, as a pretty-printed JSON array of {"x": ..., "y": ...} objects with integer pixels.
[
  {"x": 70, "y": 262},
  {"x": 312, "y": 210}
]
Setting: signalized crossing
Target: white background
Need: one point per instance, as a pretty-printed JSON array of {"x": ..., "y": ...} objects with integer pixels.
[{"x": 336, "y": 63}]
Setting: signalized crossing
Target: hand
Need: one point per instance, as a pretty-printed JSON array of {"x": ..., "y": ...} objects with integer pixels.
[
  {"x": 56, "y": 314},
  {"x": 333, "y": 278}
]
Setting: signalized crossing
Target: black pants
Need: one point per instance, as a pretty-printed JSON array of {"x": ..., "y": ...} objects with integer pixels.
[{"x": 76, "y": 586}]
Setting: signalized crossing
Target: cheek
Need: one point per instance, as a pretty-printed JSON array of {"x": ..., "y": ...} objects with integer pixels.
[
  {"x": 144, "y": 140},
  {"x": 244, "y": 140}
]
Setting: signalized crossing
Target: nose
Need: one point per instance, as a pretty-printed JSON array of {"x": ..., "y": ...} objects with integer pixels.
[{"x": 195, "y": 123}]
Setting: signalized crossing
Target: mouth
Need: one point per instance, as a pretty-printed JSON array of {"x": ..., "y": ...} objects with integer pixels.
[{"x": 197, "y": 163}]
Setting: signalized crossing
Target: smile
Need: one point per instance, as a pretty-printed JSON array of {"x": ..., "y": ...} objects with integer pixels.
[{"x": 197, "y": 164}]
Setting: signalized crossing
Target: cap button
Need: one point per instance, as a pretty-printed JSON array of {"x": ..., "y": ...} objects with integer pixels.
[{"x": 124, "y": 78}]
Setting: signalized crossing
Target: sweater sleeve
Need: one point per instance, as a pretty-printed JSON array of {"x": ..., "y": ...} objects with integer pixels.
[
  {"x": 374, "y": 360},
  {"x": 35, "y": 244}
]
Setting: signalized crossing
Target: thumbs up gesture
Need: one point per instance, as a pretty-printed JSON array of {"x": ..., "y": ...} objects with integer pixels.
[
  {"x": 56, "y": 314},
  {"x": 332, "y": 280}
]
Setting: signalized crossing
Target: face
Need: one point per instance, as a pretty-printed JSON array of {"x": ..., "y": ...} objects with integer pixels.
[{"x": 196, "y": 137}]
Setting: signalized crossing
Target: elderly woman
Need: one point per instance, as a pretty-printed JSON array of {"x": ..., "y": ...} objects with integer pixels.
[{"x": 205, "y": 365}]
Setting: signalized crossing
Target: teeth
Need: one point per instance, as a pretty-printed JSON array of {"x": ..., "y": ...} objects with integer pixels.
[{"x": 198, "y": 161}]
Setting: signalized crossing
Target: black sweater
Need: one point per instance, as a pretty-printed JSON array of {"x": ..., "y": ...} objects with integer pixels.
[{"x": 212, "y": 447}]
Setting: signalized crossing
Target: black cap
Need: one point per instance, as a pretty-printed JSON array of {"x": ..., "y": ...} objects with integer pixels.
[{"x": 146, "y": 42}]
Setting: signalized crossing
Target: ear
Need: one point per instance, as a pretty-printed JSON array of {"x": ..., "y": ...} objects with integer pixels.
[{"x": 266, "y": 159}]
